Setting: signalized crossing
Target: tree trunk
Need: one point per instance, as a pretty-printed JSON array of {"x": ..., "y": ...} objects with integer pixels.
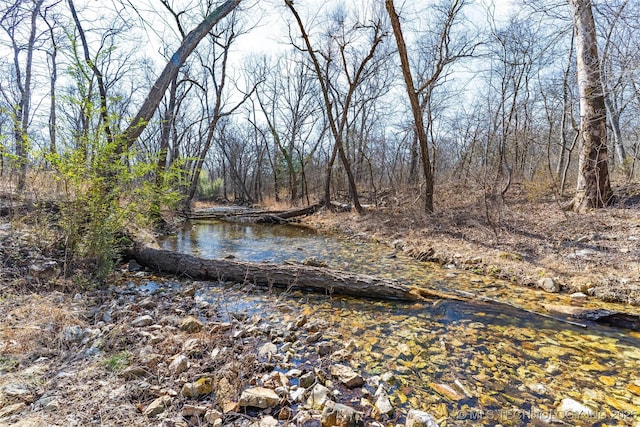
[
  {"x": 290, "y": 276},
  {"x": 412, "y": 94},
  {"x": 24, "y": 106},
  {"x": 190, "y": 42},
  {"x": 593, "y": 188}
]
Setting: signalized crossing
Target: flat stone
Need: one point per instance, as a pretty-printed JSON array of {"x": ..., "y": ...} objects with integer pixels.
[
  {"x": 307, "y": 380},
  {"x": 578, "y": 296},
  {"x": 319, "y": 397},
  {"x": 267, "y": 349},
  {"x": 297, "y": 395},
  {"x": 212, "y": 416},
  {"x": 259, "y": 397},
  {"x": 135, "y": 372},
  {"x": 193, "y": 346},
  {"x": 346, "y": 376},
  {"x": 191, "y": 410},
  {"x": 141, "y": 321},
  {"x": 157, "y": 406},
  {"x": 18, "y": 391},
  {"x": 267, "y": 421},
  {"x": 447, "y": 391},
  {"x": 417, "y": 418},
  {"x": 323, "y": 348},
  {"x": 383, "y": 404}
]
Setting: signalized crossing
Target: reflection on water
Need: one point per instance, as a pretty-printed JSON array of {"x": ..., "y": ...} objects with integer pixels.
[{"x": 505, "y": 366}]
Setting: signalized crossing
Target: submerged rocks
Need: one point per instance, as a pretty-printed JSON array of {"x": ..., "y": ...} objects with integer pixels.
[{"x": 569, "y": 407}]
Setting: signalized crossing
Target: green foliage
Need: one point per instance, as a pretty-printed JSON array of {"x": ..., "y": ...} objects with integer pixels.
[
  {"x": 118, "y": 362},
  {"x": 107, "y": 194},
  {"x": 208, "y": 189}
]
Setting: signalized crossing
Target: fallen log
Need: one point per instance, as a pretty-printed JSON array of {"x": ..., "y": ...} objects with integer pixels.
[
  {"x": 289, "y": 276},
  {"x": 263, "y": 216}
]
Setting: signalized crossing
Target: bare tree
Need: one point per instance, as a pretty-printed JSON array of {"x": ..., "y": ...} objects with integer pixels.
[
  {"x": 421, "y": 84},
  {"x": 593, "y": 188},
  {"x": 10, "y": 22},
  {"x": 354, "y": 70}
]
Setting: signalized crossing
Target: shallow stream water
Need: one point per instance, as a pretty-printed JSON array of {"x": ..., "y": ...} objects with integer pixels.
[{"x": 467, "y": 364}]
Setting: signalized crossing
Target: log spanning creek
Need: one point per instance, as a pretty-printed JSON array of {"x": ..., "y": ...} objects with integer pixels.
[{"x": 497, "y": 358}]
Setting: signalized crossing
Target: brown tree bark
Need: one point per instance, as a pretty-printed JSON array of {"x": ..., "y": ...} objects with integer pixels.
[
  {"x": 593, "y": 188},
  {"x": 281, "y": 275},
  {"x": 412, "y": 94}
]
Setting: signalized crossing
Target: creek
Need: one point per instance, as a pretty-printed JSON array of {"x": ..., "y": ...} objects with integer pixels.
[{"x": 466, "y": 363}]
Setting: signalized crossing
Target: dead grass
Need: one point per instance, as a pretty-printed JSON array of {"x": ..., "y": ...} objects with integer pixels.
[{"x": 32, "y": 321}]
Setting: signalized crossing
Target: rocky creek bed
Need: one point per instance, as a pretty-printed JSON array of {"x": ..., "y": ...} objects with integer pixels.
[
  {"x": 176, "y": 353},
  {"x": 151, "y": 350}
]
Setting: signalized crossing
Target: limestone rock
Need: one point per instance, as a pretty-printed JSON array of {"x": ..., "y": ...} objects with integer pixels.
[
  {"x": 179, "y": 364},
  {"x": 133, "y": 372},
  {"x": 259, "y": 397},
  {"x": 197, "y": 388},
  {"x": 323, "y": 348},
  {"x": 193, "y": 346},
  {"x": 157, "y": 406},
  {"x": 267, "y": 350},
  {"x": 447, "y": 391},
  {"x": 547, "y": 284},
  {"x": 417, "y": 418},
  {"x": 267, "y": 421},
  {"x": 336, "y": 414},
  {"x": 191, "y": 325},
  {"x": 319, "y": 397},
  {"x": 570, "y": 407},
  {"x": 18, "y": 391},
  {"x": 193, "y": 410},
  {"x": 578, "y": 296},
  {"x": 141, "y": 321},
  {"x": 383, "y": 404},
  {"x": 307, "y": 380},
  {"x": 346, "y": 375},
  {"x": 212, "y": 417}
]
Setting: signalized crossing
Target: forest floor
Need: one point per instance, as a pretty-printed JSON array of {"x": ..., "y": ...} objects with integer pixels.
[
  {"x": 526, "y": 239},
  {"x": 75, "y": 355}
]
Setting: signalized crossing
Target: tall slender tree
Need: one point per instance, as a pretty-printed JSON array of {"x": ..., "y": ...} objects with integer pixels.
[{"x": 593, "y": 188}]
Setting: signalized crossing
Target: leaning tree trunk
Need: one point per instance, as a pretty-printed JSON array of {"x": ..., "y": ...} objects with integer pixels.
[
  {"x": 416, "y": 110},
  {"x": 155, "y": 95},
  {"x": 593, "y": 186}
]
